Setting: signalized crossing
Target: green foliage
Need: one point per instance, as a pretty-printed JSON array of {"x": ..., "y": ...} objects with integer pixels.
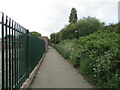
[
  {"x": 36, "y": 34},
  {"x": 88, "y": 26},
  {"x": 83, "y": 27},
  {"x": 97, "y": 56},
  {"x": 102, "y": 57},
  {"x": 73, "y": 16},
  {"x": 65, "y": 52},
  {"x": 52, "y": 38},
  {"x": 55, "y": 38},
  {"x": 112, "y": 28}
]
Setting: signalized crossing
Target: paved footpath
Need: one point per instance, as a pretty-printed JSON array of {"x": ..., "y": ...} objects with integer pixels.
[{"x": 56, "y": 72}]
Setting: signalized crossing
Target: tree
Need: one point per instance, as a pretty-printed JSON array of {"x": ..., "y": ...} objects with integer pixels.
[
  {"x": 113, "y": 27},
  {"x": 52, "y": 37},
  {"x": 87, "y": 26},
  {"x": 68, "y": 32},
  {"x": 83, "y": 27},
  {"x": 73, "y": 16},
  {"x": 36, "y": 34}
]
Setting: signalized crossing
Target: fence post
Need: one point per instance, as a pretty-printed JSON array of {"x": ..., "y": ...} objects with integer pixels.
[
  {"x": 27, "y": 57},
  {"x": 3, "y": 51}
]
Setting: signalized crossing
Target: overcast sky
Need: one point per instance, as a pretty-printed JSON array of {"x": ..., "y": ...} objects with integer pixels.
[{"x": 48, "y": 16}]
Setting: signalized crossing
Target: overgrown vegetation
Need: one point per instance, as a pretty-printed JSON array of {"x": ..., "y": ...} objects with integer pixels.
[
  {"x": 97, "y": 56},
  {"x": 92, "y": 48}
]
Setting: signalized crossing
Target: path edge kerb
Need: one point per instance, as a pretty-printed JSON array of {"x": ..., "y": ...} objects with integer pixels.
[{"x": 29, "y": 80}]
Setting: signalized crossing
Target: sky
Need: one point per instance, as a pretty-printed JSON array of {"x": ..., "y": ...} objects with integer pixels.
[{"x": 49, "y": 16}]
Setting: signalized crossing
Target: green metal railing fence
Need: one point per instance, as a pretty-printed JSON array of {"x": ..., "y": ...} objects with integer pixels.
[
  {"x": 21, "y": 52},
  {"x": 38, "y": 48}
]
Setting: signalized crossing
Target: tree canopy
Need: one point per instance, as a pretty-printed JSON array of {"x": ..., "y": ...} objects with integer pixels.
[
  {"x": 73, "y": 16},
  {"x": 36, "y": 33},
  {"x": 83, "y": 27}
]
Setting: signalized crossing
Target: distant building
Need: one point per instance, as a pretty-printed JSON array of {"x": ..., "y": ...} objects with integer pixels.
[
  {"x": 45, "y": 39},
  {"x": 119, "y": 11}
]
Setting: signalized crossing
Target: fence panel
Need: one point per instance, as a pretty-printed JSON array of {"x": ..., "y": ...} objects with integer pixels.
[
  {"x": 21, "y": 52},
  {"x": 37, "y": 49}
]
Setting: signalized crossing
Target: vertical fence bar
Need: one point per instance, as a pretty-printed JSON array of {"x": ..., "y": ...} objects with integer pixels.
[
  {"x": 15, "y": 52},
  {"x": 18, "y": 56},
  {"x": 12, "y": 58},
  {"x": 3, "y": 51},
  {"x": 6, "y": 43},
  {"x": 9, "y": 54},
  {"x": 27, "y": 53}
]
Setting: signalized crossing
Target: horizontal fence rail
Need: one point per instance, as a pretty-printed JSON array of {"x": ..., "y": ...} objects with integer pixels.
[{"x": 21, "y": 52}]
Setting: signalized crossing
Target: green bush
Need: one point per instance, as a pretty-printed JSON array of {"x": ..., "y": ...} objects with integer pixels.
[
  {"x": 97, "y": 56},
  {"x": 102, "y": 58}
]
